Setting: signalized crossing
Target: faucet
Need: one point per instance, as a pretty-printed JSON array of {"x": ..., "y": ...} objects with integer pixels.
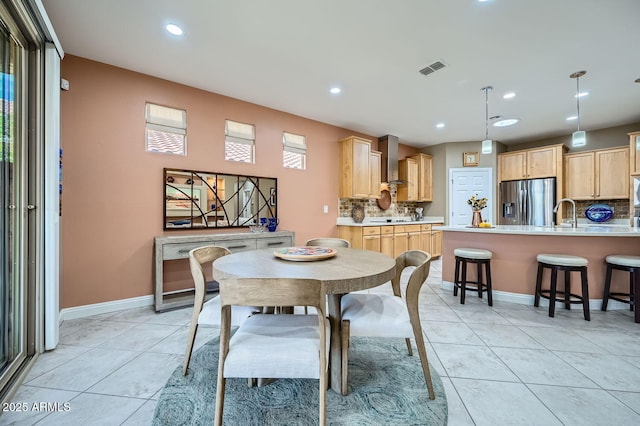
[{"x": 574, "y": 221}]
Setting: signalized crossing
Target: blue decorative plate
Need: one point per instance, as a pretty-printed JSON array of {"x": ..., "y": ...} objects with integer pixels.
[{"x": 599, "y": 212}]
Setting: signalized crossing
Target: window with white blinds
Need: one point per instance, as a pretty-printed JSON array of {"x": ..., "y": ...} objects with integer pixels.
[
  {"x": 166, "y": 130},
  {"x": 239, "y": 141},
  {"x": 294, "y": 154}
]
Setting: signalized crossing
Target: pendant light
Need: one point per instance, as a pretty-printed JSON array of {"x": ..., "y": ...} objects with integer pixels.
[
  {"x": 487, "y": 144},
  {"x": 579, "y": 137}
]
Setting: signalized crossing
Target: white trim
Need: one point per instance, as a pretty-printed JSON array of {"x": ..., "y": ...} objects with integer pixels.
[
  {"x": 51, "y": 196},
  {"x": 105, "y": 307},
  {"x": 527, "y": 299}
]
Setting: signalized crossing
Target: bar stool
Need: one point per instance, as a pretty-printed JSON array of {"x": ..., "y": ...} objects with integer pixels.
[
  {"x": 479, "y": 257},
  {"x": 623, "y": 263},
  {"x": 568, "y": 264}
]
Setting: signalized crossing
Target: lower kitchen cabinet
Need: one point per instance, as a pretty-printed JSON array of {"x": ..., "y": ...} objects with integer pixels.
[
  {"x": 436, "y": 242},
  {"x": 393, "y": 240}
]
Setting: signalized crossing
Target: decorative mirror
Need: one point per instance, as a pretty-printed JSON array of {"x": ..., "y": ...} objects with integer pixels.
[{"x": 213, "y": 200}]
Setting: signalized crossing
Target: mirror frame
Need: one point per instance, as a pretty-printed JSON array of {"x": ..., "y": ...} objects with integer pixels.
[{"x": 226, "y": 203}]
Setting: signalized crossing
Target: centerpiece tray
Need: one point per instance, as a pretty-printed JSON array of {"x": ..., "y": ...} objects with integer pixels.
[{"x": 305, "y": 253}]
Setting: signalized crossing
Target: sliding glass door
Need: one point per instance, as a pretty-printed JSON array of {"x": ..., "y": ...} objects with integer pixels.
[{"x": 15, "y": 317}]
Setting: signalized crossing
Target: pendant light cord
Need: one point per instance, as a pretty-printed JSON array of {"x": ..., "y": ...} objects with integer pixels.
[
  {"x": 486, "y": 90},
  {"x": 578, "y": 99}
]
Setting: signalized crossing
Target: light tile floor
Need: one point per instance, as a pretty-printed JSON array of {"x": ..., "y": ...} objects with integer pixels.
[{"x": 506, "y": 365}]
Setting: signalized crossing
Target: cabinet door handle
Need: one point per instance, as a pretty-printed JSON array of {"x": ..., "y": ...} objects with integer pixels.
[
  {"x": 237, "y": 247},
  {"x": 278, "y": 243},
  {"x": 184, "y": 250}
]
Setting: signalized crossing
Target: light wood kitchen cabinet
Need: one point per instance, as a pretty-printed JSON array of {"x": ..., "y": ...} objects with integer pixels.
[
  {"x": 425, "y": 176},
  {"x": 425, "y": 237},
  {"x": 386, "y": 240},
  {"x": 375, "y": 173},
  {"x": 359, "y": 174},
  {"x": 405, "y": 237},
  {"x": 436, "y": 241},
  {"x": 634, "y": 153},
  {"x": 601, "y": 174},
  {"x": 531, "y": 163},
  {"x": 408, "y": 172}
]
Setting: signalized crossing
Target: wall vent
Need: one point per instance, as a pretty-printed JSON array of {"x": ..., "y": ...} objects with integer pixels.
[{"x": 438, "y": 65}]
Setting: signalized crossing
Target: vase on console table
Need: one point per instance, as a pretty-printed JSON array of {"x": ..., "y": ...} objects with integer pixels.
[{"x": 476, "y": 219}]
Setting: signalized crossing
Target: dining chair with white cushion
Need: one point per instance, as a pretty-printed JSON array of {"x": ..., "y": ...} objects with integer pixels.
[
  {"x": 279, "y": 346},
  {"x": 328, "y": 242},
  {"x": 207, "y": 313},
  {"x": 386, "y": 315}
]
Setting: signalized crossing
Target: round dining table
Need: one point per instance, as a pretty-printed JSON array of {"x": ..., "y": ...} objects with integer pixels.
[{"x": 349, "y": 270}]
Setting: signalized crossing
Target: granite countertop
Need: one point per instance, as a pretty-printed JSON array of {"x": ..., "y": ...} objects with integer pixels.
[
  {"x": 395, "y": 220},
  {"x": 583, "y": 230}
]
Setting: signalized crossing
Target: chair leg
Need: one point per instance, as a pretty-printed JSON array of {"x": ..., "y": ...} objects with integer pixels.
[
  {"x": 585, "y": 294},
  {"x": 489, "y": 288},
  {"x": 607, "y": 288},
  {"x": 552, "y": 291},
  {"x": 193, "y": 329},
  {"x": 409, "y": 348},
  {"x": 422, "y": 352},
  {"x": 536, "y": 300},
  {"x": 479, "y": 268},
  {"x": 344, "y": 336}
]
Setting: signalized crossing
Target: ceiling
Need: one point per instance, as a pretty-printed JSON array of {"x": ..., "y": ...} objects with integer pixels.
[{"x": 287, "y": 54}]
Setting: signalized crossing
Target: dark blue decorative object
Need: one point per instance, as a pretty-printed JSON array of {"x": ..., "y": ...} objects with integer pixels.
[
  {"x": 599, "y": 213},
  {"x": 180, "y": 222}
]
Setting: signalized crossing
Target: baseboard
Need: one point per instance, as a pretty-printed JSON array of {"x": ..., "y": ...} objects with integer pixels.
[
  {"x": 105, "y": 307},
  {"x": 528, "y": 299}
]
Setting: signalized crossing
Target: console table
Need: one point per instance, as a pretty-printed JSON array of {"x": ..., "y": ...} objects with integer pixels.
[{"x": 178, "y": 247}]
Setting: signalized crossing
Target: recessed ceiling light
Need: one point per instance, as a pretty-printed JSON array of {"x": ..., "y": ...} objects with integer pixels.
[
  {"x": 573, "y": 117},
  {"x": 506, "y": 122},
  {"x": 440, "y": 125},
  {"x": 582, "y": 94},
  {"x": 509, "y": 95},
  {"x": 174, "y": 29},
  {"x": 335, "y": 90}
]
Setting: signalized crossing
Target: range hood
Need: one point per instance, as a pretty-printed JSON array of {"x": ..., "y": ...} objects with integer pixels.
[{"x": 388, "y": 145}]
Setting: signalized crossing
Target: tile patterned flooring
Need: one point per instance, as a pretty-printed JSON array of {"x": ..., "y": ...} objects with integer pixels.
[{"x": 506, "y": 365}]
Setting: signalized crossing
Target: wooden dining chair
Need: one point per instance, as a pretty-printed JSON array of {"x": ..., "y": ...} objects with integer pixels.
[
  {"x": 207, "y": 313},
  {"x": 328, "y": 242},
  {"x": 386, "y": 315},
  {"x": 274, "y": 346}
]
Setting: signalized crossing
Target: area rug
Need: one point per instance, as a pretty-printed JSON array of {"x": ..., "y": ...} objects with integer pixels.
[{"x": 386, "y": 387}]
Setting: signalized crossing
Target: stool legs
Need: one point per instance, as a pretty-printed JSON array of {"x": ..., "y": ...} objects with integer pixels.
[
  {"x": 585, "y": 294},
  {"x": 553, "y": 289},
  {"x": 489, "y": 291},
  {"x": 460, "y": 279},
  {"x": 607, "y": 288}
]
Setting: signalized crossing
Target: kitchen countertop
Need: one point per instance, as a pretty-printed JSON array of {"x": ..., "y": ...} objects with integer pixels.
[
  {"x": 586, "y": 230},
  {"x": 383, "y": 221}
]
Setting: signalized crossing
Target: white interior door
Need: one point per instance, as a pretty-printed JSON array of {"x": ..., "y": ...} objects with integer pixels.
[{"x": 464, "y": 183}]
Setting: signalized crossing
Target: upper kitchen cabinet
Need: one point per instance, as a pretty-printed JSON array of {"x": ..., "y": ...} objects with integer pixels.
[
  {"x": 359, "y": 175},
  {"x": 531, "y": 163},
  {"x": 601, "y": 174},
  {"x": 408, "y": 172},
  {"x": 425, "y": 176},
  {"x": 634, "y": 152}
]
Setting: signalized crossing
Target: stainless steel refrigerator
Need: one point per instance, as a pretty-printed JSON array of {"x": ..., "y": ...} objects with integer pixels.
[{"x": 528, "y": 202}]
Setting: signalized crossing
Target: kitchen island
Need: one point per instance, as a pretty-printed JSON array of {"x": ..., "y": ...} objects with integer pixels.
[{"x": 514, "y": 264}]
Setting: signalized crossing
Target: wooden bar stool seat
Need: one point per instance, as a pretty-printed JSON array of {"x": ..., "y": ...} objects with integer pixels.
[
  {"x": 568, "y": 264},
  {"x": 621, "y": 262},
  {"x": 480, "y": 257}
]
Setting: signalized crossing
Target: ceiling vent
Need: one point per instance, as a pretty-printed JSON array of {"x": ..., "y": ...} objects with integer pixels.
[{"x": 438, "y": 65}]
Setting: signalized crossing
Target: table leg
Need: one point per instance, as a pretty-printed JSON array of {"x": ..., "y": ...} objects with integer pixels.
[{"x": 335, "y": 351}]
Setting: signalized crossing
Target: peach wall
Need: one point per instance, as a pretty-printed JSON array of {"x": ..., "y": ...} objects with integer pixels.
[
  {"x": 514, "y": 264},
  {"x": 112, "y": 188}
]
